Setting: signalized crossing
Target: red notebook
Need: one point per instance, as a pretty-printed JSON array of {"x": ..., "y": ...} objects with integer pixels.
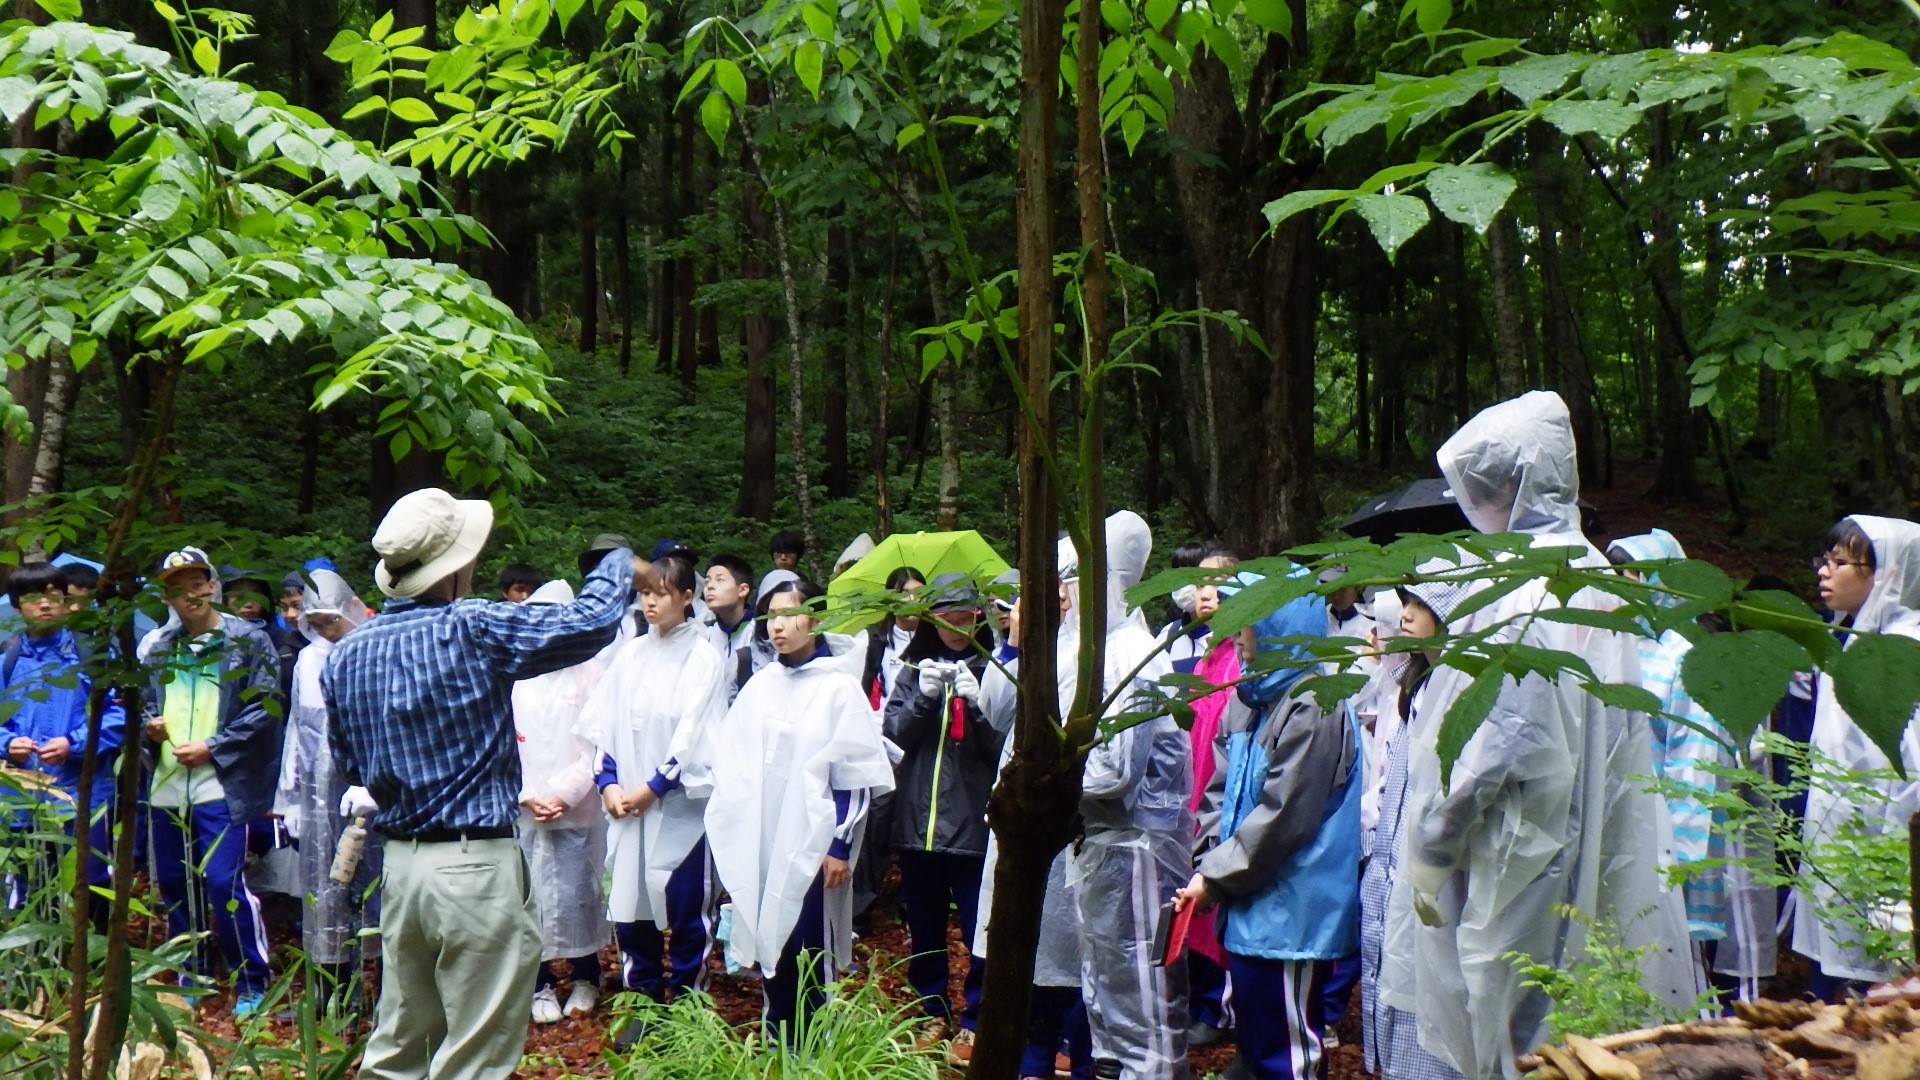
[{"x": 1170, "y": 937}]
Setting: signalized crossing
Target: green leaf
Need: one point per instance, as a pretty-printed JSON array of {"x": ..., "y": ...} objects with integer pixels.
[
  {"x": 1607, "y": 119},
  {"x": 808, "y": 62},
  {"x": 907, "y": 135},
  {"x": 1625, "y": 696},
  {"x": 728, "y": 77},
  {"x": 1877, "y": 679},
  {"x": 715, "y": 117},
  {"x": 413, "y": 110},
  {"x": 1330, "y": 690},
  {"x": 1133, "y": 125},
  {"x": 1465, "y": 716},
  {"x": 1394, "y": 219},
  {"x": 1296, "y": 202},
  {"x": 566, "y": 10},
  {"x": 1738, "y": 678},
  {"x": 1747, "y": 91},
  {"x": 64, "y": 10},
  {"x": 160, "y": 201},
  {"x": 1470, "y": 194},
  {"x": 1537, "y": 76},
  {"x": 1273, "y": 16},
  {"x": 1432, "y": 16},
  {"x": 206, "y": 57},
  {"x": 819, "y": 21}
]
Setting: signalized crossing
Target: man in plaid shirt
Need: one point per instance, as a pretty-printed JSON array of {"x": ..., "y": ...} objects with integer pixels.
[{"x": 422, "y": 724}]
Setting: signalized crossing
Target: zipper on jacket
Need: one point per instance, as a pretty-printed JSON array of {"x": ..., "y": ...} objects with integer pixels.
[{"x": 939, "y": 754}]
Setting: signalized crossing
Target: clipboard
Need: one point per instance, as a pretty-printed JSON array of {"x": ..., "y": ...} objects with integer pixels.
[{"x": 1170, "y": 935}]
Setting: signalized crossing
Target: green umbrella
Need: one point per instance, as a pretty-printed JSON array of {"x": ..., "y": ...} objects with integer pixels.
[{"x": 931, "y": 553}]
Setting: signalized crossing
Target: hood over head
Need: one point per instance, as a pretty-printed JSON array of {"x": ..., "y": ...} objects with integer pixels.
[
  {"x": 1896, "y": 571},
  {"x": 1303, "y": 616},
  {"x": 1647, "y": 547},
  {"x": 1513, "y": 467},
  {"x": 329, "y": 594},
  {"x": 1129, "y": 544}
]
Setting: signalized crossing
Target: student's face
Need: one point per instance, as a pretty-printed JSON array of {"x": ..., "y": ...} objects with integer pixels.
[
  {"x": 789, "y": 627},
  {"x": 517, "y": 592},
  {"x": 962, "y": 633},
  {"x": 1844, "y": 583},
  {"x": 665, "y": 609},
  {"x": 1343, "y": 598},
  {"x": 723, "y": 593},
  {"x": 1247, "y": 643},
  {"x": 786, "y": 560},
  {"x": 1206, "y": 601},
  {"x": 1416, "y": 620},
  {"x": 910, "y": 623},
  {"x": 290, "y": 604},
  {"x": 189, "y": 591},
  {"x": 42, "y": 609},
  {"x": 247, "y": 601},
  {"x": 331, "y": 627}
]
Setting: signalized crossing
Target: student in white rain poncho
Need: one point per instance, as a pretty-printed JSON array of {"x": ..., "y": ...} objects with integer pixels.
[
  {"x": 797, "y": 759},
  {"x": 650, "y": 718},
  {"x": 562, "y": 833},
  {"x": 1870, "y": 578},
  {"x": 311, "y": 793},
  {"x": 1543, "y": 808},
  {"x": 1137, "y": 850}
]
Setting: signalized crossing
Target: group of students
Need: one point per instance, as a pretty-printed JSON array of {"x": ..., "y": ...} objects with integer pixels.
[{"x": 721, "y": 745}]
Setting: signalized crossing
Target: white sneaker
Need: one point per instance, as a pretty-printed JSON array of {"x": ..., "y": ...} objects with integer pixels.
[
  {"x": 582, "y": 999},
  {"x": 546, "y": 1007}
]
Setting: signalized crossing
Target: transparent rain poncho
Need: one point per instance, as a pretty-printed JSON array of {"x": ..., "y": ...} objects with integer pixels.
[
  {"x": 308, "y": 800},
  {"x": 1542, "y": 810},
  {"x": 1137, "y": 850},
  {"x": 1881, "y": 806},
  {"x": 563, "y": 856}
]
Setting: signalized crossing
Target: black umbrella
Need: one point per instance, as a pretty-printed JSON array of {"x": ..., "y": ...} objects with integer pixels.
[{"x": 1425, "y": 506}]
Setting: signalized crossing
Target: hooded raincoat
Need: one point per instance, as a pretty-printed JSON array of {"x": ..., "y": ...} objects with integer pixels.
[
  {"x": 563, "y": 856},
  {"x": 652, "y": 713},
  {"x": 794, "y": 736},
  {"x": 1543, "y": 810},
  {"x": 1137, "y": 851},
  {"x": 1892, "y": 607},
  {"x": 308, "y": 799}
]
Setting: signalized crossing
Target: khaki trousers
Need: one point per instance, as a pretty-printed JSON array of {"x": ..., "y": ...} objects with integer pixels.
[{"x": 461, "y": 941}]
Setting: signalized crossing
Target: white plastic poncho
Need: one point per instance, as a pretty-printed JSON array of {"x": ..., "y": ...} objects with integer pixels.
[
  {"x": 1377, "y": 706},
  {"x": 1542, "y": 809},
  {"x": 1890, "y": 609},
  {"x": 793, "y": 737},
  {"x": 563, "y": 856},
  {"x": 660, "y": 698},
  {"x": 308, "y": 799}
]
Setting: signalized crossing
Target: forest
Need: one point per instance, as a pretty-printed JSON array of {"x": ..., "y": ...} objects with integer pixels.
[
  {"x": 705, "y": 290},
  {"x": 706, "y": 270}
]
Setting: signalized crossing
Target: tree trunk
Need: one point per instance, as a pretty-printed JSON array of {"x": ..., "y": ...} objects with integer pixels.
[
  {"x": 1036, "y": 802},
  {"x": 309, "y": 491},
  {"x": 1561, "y": 332},
  {"x": 796, "y": 365},
  {"x": 756, "y": 342},
  {"x": 623, "y": 261},
  {"x": 883, "y": 388},
  {"x": 1262, "y": 404},
  {"x": 1678, "y": 480},
  {"x": 833, "y": 332},
  {"x": 1509, "y": 323},
  {"x": 589, "y": 312},
  {"x": 688, "y": 350},
  {"x": 666, "y": 306}
]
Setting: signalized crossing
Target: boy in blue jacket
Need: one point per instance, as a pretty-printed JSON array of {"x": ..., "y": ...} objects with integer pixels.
[
  {"x": 1281, "y": 832},
  {"x": 45, "y": 687}
]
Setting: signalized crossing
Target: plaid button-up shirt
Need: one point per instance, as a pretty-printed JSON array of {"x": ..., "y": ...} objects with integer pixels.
[{"x": 421, "y": 698}]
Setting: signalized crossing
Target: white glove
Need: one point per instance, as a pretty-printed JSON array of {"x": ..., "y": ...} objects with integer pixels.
[
  {"x": 933, "y": 681},
  {"x": 967, "y": 685},
  {"x": 357, "y": 802}
]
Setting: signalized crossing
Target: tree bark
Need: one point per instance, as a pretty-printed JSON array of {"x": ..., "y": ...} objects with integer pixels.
[
  {"x": 665, "y": 305},
  {"x": 589, "y": 223},
  {"x": 688, "y": 349},
  {"x": 883, "y": 388},
  {"x": 1678, "y": 480},
  {"x": 1036, "y": 802},
  {"x": 1561, "y": 332},
  {"x": 1262, "y": 404},
  {"x": 833, "y": 332},
  {"x": 1509, "y": 323},
  {"x": 756, "y": 342},
  {"x": 309, "y": 491},
  {"x": 796, "y": 365},
  {"x": 623, "y": 262}
]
